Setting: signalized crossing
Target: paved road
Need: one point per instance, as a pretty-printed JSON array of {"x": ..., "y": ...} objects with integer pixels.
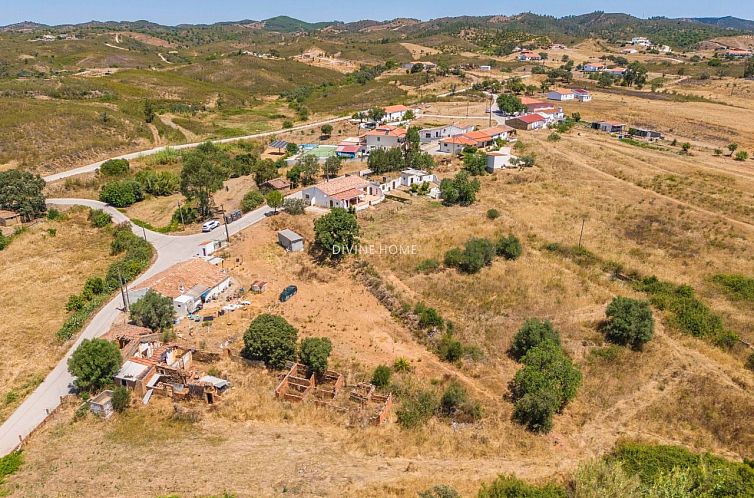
[
  {"x": 170, "y": 249},
  {"x": 90, "y": 168}
]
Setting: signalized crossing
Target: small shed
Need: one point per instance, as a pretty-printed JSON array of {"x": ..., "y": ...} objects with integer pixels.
[
  {"x": 9, "y": 218},
  {"x": 258, "y": 286},
  {"x": 290, "y": 240},
  {"x": 277, "y": 184},
  {"x": 102, "y": 404}
]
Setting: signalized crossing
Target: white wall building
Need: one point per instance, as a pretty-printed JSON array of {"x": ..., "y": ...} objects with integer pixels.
[
  {"x": 344, "y": 192},
  {"x": 385, "y": 137},
  {"x": 499, "y": 159}
]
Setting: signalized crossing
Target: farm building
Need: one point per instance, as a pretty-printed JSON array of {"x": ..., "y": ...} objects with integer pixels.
[
  {"x": 290, "y": 240},
  {"x": 455, "y": 145},
  {"x": 385, "y": 137},
  {"x": 439, "y": 132},
  {"x": 277, "y": 184},
  {"x": 416, "y": 176},
  {"x": 560, "y": 94},
  {"x": 102, "y": 404},
  {"x": 499, "y": 159},
  {"x": 609, "y": 126},
  {"x": 527, "y": 122},
  {"x": 582, "y": 94},
  {"x": 593, "y": 67},
  {"x": 645, "y": 133}
]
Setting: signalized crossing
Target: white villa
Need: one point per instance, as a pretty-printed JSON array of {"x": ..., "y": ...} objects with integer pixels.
[{"x": 344, "y": 192}]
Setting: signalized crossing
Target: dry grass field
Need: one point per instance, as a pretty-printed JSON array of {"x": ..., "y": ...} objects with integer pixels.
[{"x": 38, "y": 271}]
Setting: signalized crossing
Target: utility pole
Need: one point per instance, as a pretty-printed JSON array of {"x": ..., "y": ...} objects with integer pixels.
[
  {"x": 581, "y": 235},
  {"x": 144, "y": 231},
  {"x": 181, "y": 213},
  {"x": 225, "y": 219},
  {"x": 492, "y": 99}
]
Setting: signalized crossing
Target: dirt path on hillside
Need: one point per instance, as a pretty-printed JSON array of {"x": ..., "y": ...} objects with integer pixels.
[
  {"x": 156, "y": 139},
  {"x": 168, "y": 120}
]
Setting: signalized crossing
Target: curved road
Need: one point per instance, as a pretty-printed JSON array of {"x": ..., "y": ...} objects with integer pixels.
[{"x": 170, "y": 249}]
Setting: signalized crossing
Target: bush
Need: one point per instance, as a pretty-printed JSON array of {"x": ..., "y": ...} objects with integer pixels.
[
  {"x": 553, "y": 137},
  {"x": 416, "y": 409},
  {"x": 602, "y": 477},
  {"x": 314, "y": 352},
  {"x": 440, "y": 491},
  {"x": 115, "y": 167},
  {"x": 453, "y": 258},
  {"x": 428, "y": 266},
  {"x": 99, "y": 218},
  {"x": 55, "y": 215},
  {"x": 429, "y": 318},
  {"x": 94, "y": 363},
  {"x": 121, "y": 399},
  {"x": 154, "y": 311},
  {"x": 23, "y": 193},
  {"x": 493, "y": 214},
  {"x": 401, "y": 365},
  {"x": 270, "y": 339},
  {"x": 185, "y": 215},
  {"x": 287, "y": 124},
  {"x": 160, "y": 183},
  {"x": 509, "y": 247},
  {"x": 629, "y": 321},
  {"x": 381, "y": 376},
  {"x": 741, "y": 155},
  {"x": 531, "y": 334},
  {"x": 455, "y": 403},
  {"x": 509, "y": 486},
  {"x": 736, "y": 286},
  {"x": 294, "y": 207},
  {"x": 750, "y": 362},
  {"x": 252, "y": 200},
  {"x": 450, "y": 349},
  {"x": 121, "y": 193},
  {"x": 10, "y": 463},
  {"x": 535, "y": 410},
  {"x": 477, "y": 253},
  {"x": 459, "y": 190}
]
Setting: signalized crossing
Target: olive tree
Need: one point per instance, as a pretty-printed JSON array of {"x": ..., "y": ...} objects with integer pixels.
[
  {"x": 270, "y": 339},
  {"x": 629, "y": 321},
  {"x": 153, "y": 311},
  {"x": 314, "y": 352},
  {"x": 94, "y": 363}
]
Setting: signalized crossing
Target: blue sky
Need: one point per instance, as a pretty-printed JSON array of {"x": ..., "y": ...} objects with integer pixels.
[{"x": 207, "y": 11}]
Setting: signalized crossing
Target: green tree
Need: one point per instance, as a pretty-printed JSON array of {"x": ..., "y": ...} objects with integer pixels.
[
  {"x": 475, "y": 163},
  {"x": 291, "y": 148},
  {"x": 271, "y": 339},
  {"x": 149, "y": 112},
  {"x": 22, "y": 192},
  {"x": 153, "y": 311},
  {"x": 478, "y": 253},
  {"x": 531, "y": 334},
  {"x": 326, "y": 130},
  {"x": 629, "y": 321},
  {"x": 94, "y": 363},
  {"x": 265, "y": 171},
  {"x": 308, "y": 167},
  {"x": 376, "y": 114},
  {"x": 202, "y": 175},
  {"x": 459, "y": 190},
  {"x": 252, "y": 200},
  {"x": 331, "y": 167},
  {"x": 732, "y": 147},
  {"x": 121, "y": 399},
  {"x": 509, "y": 486},
  {"x": 510, "y": 104},
  {"x": 314, "y": 352},
  {"x": 336, "y": 233},
  {"x": 605, "y": 80},
  {"x": 635, "y": 74},
  {"x": 526, "y": 161},
  {"x": 121, "y": 193},
  {"x": 439, "y": 491},
  {"x": 381, "y": 376},
  {"x": 409, "y": 115},
  {"x": 274, "y": 199},
  {"x": 115, "y": 167}
]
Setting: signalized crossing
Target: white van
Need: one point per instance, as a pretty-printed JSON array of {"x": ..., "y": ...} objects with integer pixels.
[{"x": 210, "y": 225}]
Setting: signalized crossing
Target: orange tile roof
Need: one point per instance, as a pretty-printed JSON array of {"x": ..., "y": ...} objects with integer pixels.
[
  {"x": 182, "y": 277},
  {"x": 478, "y": 135},
  {"x": 341, "y": 184},
  {"x": 458, "y": 140},
  {"x": 348, "y": 194},
  {"x": 497, "y": 130},
  {"x": 387, "y": 131},
  {"x": 529, "y": 101},
  {"x": 395, "y": 108}
]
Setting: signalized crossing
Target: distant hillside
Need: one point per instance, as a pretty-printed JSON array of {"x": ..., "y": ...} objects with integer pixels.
[
  {"x": 285, "y": 24},
  {"x": 727, "y": 22}
]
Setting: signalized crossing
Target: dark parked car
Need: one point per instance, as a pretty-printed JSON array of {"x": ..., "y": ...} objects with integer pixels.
[
  {"x": 288, "y": 293},
  {"x": 233, "y": 216}
]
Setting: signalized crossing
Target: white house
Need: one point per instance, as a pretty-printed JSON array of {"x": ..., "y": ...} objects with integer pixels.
[
  {"x": 394, "y": 113},
  {"x": 385, "y": 137},
  {"x": 641, "y": 41},
  {"x": 582, "y": 95},
  {"x": 439, "y": 132},
  {"x": 499, "y": 159},
  {"x": 560, "y": 94},
  {"x": 344, "y": 192},
  {"x": 416, "y": 176},
  {"x": 616, "y": 71},
  {"x": 552, "y": 115},
  {"x": 455, "y": 145},
  {"x": 485, "y": 68},
  {"x": 188, "y": 284},
  {"x": 529, "y": 56},
  {"x": 593, "y": 67}
]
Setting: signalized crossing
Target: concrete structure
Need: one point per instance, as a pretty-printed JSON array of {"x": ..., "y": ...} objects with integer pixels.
[
  {"x": 738, "y": 53},
  {"x": 394, "y": 113},
  {"x": 609, "y": 126},
  {"x": 499, "y": 159},
  {"x": 385, "y": 137},
  {"x": 416, "y": 176},
  {"x": 344, "y": 192},
  {"x": 485, "y": 68},
  {"x": 582, "y": 95},
  {"x": 641, "y": 41},
  {"x": 455, "y": 145},
  {"x": 9, "y": 218},
  {"x": 616, "y": 71},
  {"x": 593, "y": 67},
  {"x": 102, "y": 404},
  {"x": 645, "y": 133},
  {"x": 529, "y": 56},
  {"x": 290, "y": 240},
  {"x": 189, "y": 284},
  {"x": 527, "y": 122}
]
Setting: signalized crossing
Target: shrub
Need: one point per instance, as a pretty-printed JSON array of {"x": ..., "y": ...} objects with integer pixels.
[
  {"x": 509, "y": 486},
  {"x": 428, "y": 266},
  {"x": 314, "y": 352},
  {"x": 509, "y": 247},
  {"x": 10, "y": 463},
  {"x": 94, "y": 363},
  {"x": 459, "y": 190},
  {"x": 55, "y": 215},
  {"x": 449, "y": 349},
  {"x": 606, "y": 478},
  {"x": 294, "y": 207},
  {"x": 186, "y": 215},
  {"x": 439, "y": 491},
  {"x": 121, "y": 399},
  {"x": 401, "y": 365},
  {"x": 535, "y": 410},
  {"x": 531, "y": 334},
  {"x": 416, "y": 409},
  {"x": 629, "y": 321},
  {"x": 22, "y": 192},
  {"x": 153, "y": 311},
  {"x": 750, "y": 362},
  {"x": 336, "y": 233},
  {"x": 553, "y": 137},
  {"x": 115, "y": 167},
  {"x": 287, "y": 124},
  {"x": 455, "y": 403},
  {"x": 429, "y": 318},
  {"x": 270, "y": 339},
  {"x": 121, "y": 193},
  {"x": 381, "y": 376},
  {"x": 252, "y": 200},
  {"x": 99, "y": 218},
  {"x": 493, "y": 214},
  {"x": 736, "y": 286},
  {"x": 158, "y": 183},
  {"x": 741, "y": 155},
  {"x": 453, "y": 258}
]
